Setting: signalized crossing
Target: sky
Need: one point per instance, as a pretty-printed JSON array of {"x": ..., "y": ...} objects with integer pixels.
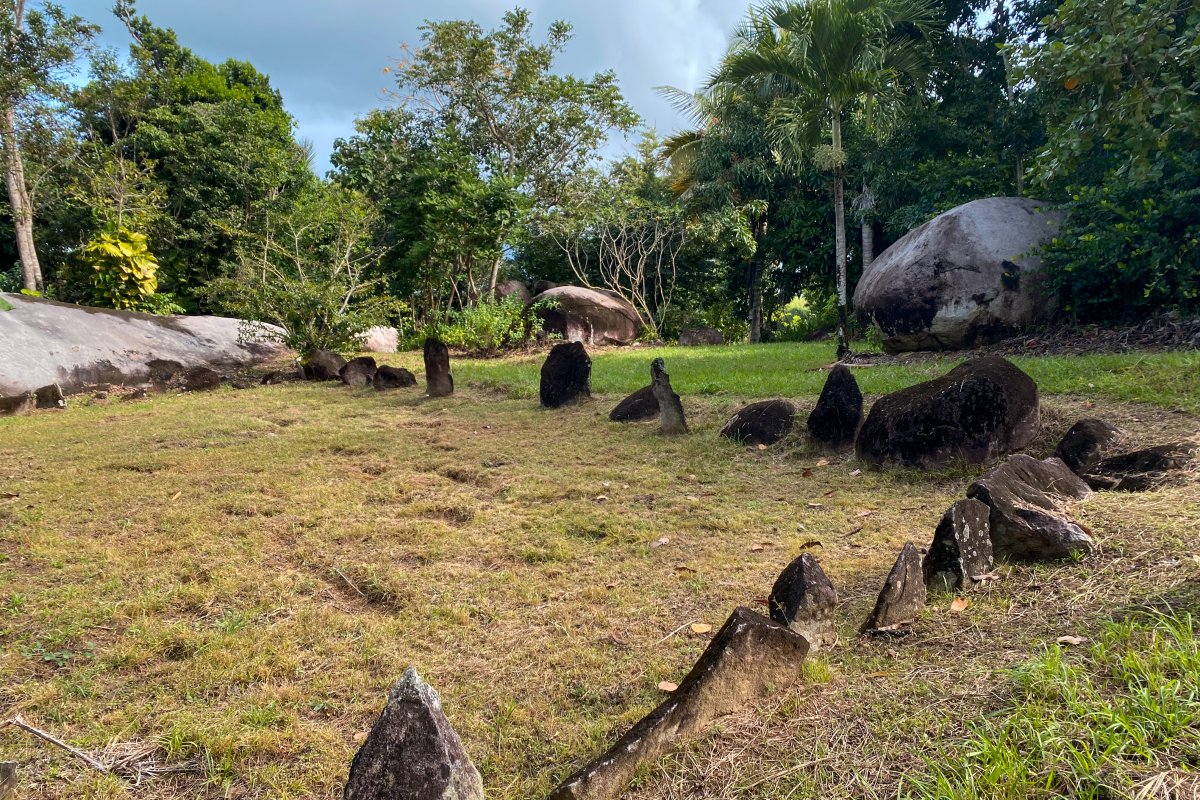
[{"x": 327, "y": 57}]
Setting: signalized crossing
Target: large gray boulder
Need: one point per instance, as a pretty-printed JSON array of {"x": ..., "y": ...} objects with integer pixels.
[
  {"x": 44, "y": 342},
  {"x": 966, "y": 277},
  {"x": 591, "y": 316}
]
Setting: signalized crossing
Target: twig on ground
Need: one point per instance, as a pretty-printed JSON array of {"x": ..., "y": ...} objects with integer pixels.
[
  {"x": 672, "y": 633},
  {"x": 25, "y": 726},
  {"x": 349, "y": 582}
]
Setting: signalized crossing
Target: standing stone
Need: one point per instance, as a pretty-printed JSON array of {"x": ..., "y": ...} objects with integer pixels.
[
  {"x": 323, "y": 365},
  {"x": 358, "y": 372},
  {"x": 765, "y": 422},
  {"x": 839, "y": 412},
  {"x": 670, "y": 408},
  {"x": 438, "y": 380},
  {"x": 699, "y": 337},
  {"x": 804, "y": 599},
  {"x": 962, "y": 547},
  {"x": 8, "y": 780},
  {"x": 1086, "y": 443},
  {"x": 750, "y": 656},
  {"x": 903, "y": 595},
  {"x": 640, "y": 406},
  {"x": 412, "y": 753},
  {"x": 392, "y": 378},
  {"x": 50, "y": 397},
  {"x": 1029, "y": 515},
  {"x": 201, "y": 379},
  {"x": 566, "y": 375}
]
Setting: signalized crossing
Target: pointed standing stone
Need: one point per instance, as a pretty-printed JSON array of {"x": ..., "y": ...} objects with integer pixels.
[
  {"x": 804, "y": 599},
  {"x": 566, "y": 375},
  {"x": 839, "y": 411},
  {"x": 670, "y": 408},
  {"x": 412, "y": 753},
  {"x": 1029, "y": 502},
  {"x": 961, "y": 549},
  {"x": 438, "y": 380},
  {"x": 903, "y": 595}
]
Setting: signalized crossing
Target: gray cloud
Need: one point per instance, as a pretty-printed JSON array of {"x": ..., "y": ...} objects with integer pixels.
[{"x": 327, "y": 57}]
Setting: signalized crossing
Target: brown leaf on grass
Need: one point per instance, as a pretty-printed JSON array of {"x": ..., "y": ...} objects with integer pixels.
[
  {"x": 682, "y": 569},
  {"x": 856, "y": 473},
  {"x": 667, "y": 686},
  {"x": 959, "y": 605},
  {"x": 854, "y": 530},
  {"x": 866, "y": 512},
  {"x": 600, "y": 498},
  {"x": 176, "y": 496},
  {"x": 693, "y": 498},
  {"x": 700, "y": 627},
  {"x": 762, "y": 447},
  {"x": 1071, "y": 640},
  {"x": 816, "y": 505},
  {"x": 830, "y": 493},
  {"x": 756, "y": 548},
  {"x": 806, "y": 473},
  {"x": 811, "y": 543},
  {"x": 824, "y": 462}
]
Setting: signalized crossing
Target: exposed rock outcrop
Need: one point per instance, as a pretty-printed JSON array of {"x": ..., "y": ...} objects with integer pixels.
[
  {"x": 697, "y": 337},
  {"x": 590, "y": 316}
]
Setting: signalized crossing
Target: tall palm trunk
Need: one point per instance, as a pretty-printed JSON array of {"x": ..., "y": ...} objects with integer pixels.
[
  {"x": 868, "y": 244},
  {"x": 756, "y": 300},
  {"x": 18, "y": 197},
  {"x": 839, "y": 218}
]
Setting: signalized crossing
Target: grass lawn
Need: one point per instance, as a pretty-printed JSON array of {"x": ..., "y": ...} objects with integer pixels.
[{"x": 231, "y": 582}]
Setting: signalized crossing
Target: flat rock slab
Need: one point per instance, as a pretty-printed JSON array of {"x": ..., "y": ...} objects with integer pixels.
[
  {"x": 839, "y": 411},
  {"x": 392, "y": 378},
  {"x": 903, "y": 595},
  {"x": 1030, "y": 509},
  {"x": 566, "y": 375},
  {"x": 640, "y": 406},
  {"x": 764, "y": 422},
  {"x": 359, "y": 372},
  {"x": 412, "y": 752},
  {"x": 438, "y": 380},
  {"x": 1142, "y": 469},
  {"x": 804, "y": 599},
  {"x": 961, "y": 552},
  {"x": 1086, "y": 443},
  {"x": 980, "y": 410},
  {"x": 749, "y": 657},
  {"x": 43, "y": 342}
]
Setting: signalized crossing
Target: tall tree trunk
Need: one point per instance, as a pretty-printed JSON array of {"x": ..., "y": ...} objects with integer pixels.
[
  {"x": 868, "y": 243},
  {"x": 18, "y": 198},
  {"x": 839, "y": 219},
  {"x": 756, "y": 300}
]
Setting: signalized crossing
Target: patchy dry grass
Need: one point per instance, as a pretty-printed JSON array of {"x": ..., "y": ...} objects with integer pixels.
[{"x": 233, "y": 580}]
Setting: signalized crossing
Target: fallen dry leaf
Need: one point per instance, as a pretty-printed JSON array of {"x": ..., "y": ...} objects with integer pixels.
[
  {"x": 854, "y": 530},
  {"x": 866, "y": 512},
  {"x": 960, "y": 604},
  {"x": 811, "y": 543},
  {"x": 806, "y": 473},
  {"x": 659, "y": 542},
  {"x": 824, "y": 462},
  {"x": 176, "y": 496},
  {"x": 756, "y": 548},
  {"x": 856, "y": 473},
  {"x": 762, "y": 447},
  {"x": 700, "y": 627},
  {"x": 816, "y": 505},
  {"x": 600, "y": 498},
  {"x": 693, "y": 498},
  {"x": 987, "y": 576},
  {"x": 1071, "y": 640},
  {"x": 667, "y": 686}
]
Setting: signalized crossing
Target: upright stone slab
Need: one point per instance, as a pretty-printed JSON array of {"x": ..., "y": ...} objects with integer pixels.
[
  {"x": 962, "y": 547},
  {"x": 323, "y": 365},
  {"x": 804, "y": 600},
  {"x": 392, "y": 378},
  {"x": 749, "y": 657},
  {"x": 903, "y": 595},
  {"x": 1087, "y": 442},
  {"x": 438, "y": 380},
  {"x": 358, "y": 372},
  {"x": 839, "y": 412},
  {"x": 765, "y": 422},
  {"x": 566, "y": 375},
  {"x": 412, "y": 753},
  {"x": 670, "y": 407},
  {"x": 640, "y": 406},
  {"x": 1029, "y": 501}
]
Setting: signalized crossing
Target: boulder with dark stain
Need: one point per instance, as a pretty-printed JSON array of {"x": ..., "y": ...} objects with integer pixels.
[
  {"x": 566, "y": 375},
  {"x": 671, "y": 421},
  {"x": 412, "y": 752},
  {"x": 961, "y": 552},
  {"x": 765, "y": 422},
  {"x": 700, "y": 337},
  {"x": 640, "y": 406},
  {"x": 359, "y": 372},
  {"x": 438, "y": 380},
  {"x": 967, "y": 277},
  {"x": 392, "y": 378},
  {"x": 590, "y": 316},
  {"x": 200, "y": 379},
  {"x": 839, "y": 410},
  {"x": 903, "y": 595},
  {"x": 804, "y": 599},
  {"x": 978, "y": 411},
  {"x": 751, "y": 656},
  {"x": 1087, "y": 442},
  {"x": 323, "y": 365},
  {"x": 1030, "y": 515}
]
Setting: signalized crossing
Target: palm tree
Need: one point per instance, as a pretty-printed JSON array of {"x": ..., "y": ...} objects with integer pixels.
[{"x": 823, "y": 60}]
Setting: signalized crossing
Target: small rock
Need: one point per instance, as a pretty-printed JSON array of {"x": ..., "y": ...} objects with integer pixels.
[
  {"x": 17, "y": 404},
  {"x": 640, "y": 406},
  {"x": 1029, "y": 517},
  {"x": 804, "y": 600},
  {"x": 671, "y": 421},
  {"x": 962, "y": 547},
  {"x": 323, "y": 365},
  {"x": 566, "y": 375},
  {"x": 698, "y": 337},
  {"x": 438, "y": 380},
  {"x": 50, "y": 397},
  {"x": 764, "y": 423},
  {"x": 392, "y": 378},
  {"x": 412, "y": 752},
  {"x": 380, "y": 339},
  {"x": 1142, "y": 469},
  {"x": 839, "y": 411},
  {"x": 200, "y": 379},
  {"x": 1086, "y": 443},
  {"x": 903, "y": 595},
  {"x": 358, "y": 372}
]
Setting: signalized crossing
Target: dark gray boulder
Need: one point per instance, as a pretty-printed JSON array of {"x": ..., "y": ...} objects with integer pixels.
[
  {"x": 51, "y": 397},
  {"x": 839, "y": 410},
  {"x": 671, "y": 421},
  {"x": 765, "y": 422},
  {"x": 590, "y": 316},
  {"x": 392, "y": 378},
  {"x": 200, "y": 379},
  {"x": 699, "y": 337},
  {"x": 978, "y": 411},
  {"x": 438, "y": 380},
  {"x": 323, "y": 365},
  {"x": 965, "y": 278},
  {"x": 804, "y": 599},
  {"x": 961, "y": 552},
  {"x": 17, "y": 404},
  {"x": 1029, "y": 502},
  {"x": 903, "y": 595},
  {"x": 1141, "y": 469},
  {"x": 640, "y": 406},
  {"x": 517, "y": 289},
  {"x": 1086, "y": 443},
  {"x": 412, "y": 753},
  {"x": 566, "y": 375},
  {"x": 543, "y": 286},
  {"x": 359, "y": 372}
]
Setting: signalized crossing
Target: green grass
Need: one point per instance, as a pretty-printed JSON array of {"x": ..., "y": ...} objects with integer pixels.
[
  {"x": 1169, "y": 379},
  {"x": 1093, "y": 725}
]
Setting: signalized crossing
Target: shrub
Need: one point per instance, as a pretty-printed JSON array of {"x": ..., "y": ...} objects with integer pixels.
[
  {"x": 804, "y": 317},
  {"x": 123, "y": 273},
  {"x": 490, "y": 326}
]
